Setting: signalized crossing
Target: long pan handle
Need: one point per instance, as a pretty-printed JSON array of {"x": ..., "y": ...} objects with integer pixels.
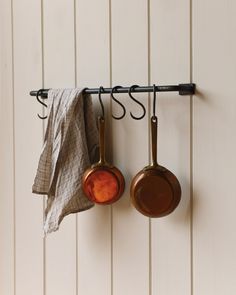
[
  {"x": 154, "y": 140},
  {"x": 101, "y": 126}
]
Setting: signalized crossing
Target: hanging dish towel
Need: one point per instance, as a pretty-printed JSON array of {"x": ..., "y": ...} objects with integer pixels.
[{"x": 70, "y": 145}]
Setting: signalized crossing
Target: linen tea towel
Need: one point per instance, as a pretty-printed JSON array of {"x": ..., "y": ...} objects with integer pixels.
[{"x": 70, "y": 145}]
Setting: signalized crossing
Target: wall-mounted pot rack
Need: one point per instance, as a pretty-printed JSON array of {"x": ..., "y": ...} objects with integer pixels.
[{"x": 183, "y": 89}]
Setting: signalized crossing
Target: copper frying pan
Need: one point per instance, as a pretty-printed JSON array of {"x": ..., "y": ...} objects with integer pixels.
[
  {"x": 103, "y": 183},
  {"x": 155, "y": 191}
]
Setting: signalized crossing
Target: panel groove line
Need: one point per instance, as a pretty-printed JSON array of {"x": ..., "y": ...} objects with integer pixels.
[
  {"x": 191, "y": 143},
  {"x": 110, "y": 140},
  {"x": 149, "y": 131},
  {"x": 76, "y": 218},
  {"x": 43, "y": 110},
  {"x": 14, "y": 152}
]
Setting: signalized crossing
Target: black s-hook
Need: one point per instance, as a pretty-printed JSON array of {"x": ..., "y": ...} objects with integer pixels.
[
  {"x": 117, "y": 101},
  {"x": 138, "y": 102},
  {"x": 41, "y": 102}
]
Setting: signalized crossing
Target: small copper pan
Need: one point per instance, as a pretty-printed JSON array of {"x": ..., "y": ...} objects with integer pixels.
[
  {"x": 155, "y": 191},
  {"x": 103, "y": 183}
]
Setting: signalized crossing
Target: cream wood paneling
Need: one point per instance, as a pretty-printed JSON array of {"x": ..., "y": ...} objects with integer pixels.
[
  {"x": 214, "y": 64},
  {"x": 130, "y": 146},
  {"x": 170, "y": 64},
  {"x": 93, "y": 70},
  {"x": 114, "y": 250},
  {"x": 6, "y": 153},
  {"x": 59, "y": 71},
  {"x": 27, "y": 56}
]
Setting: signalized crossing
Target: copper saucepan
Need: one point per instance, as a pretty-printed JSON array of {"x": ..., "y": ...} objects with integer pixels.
[
  {"x": 155, "y": 191},
  {"x": 103, "y": 183}
]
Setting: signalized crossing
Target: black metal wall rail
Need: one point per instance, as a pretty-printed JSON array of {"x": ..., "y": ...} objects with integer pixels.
[{"x": 183, "y": 89}]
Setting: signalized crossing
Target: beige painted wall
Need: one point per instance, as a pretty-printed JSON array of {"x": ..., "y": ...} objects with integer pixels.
[{"x": 114, "y": 250}]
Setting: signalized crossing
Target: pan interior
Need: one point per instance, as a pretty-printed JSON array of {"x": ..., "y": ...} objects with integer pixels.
[
  {"x": 153, "y": 195},
  {"x": 102, "y": 186}
]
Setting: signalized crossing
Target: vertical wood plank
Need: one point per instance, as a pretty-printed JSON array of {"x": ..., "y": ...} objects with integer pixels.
[
  {"x": 94, "y": 225},
  {"x": 130, "y": 146},
  {"x": 170, "y": 64},
  {"x": 28, "y": 141},
  {"x": 6, "y": 153},
  {"x": 59, "y": 72},
  {"x": 214, "y": 239}
]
